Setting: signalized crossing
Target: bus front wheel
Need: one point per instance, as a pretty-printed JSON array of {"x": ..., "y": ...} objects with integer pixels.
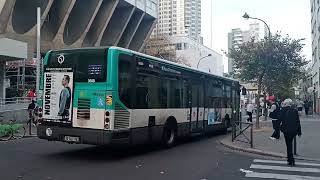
[{"x": 169, "y": 134}]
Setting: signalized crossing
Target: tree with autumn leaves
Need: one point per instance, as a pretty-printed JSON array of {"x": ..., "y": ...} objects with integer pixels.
[
  {"x": 162, "y": 47},
  {"x": 274, "y": 64}
]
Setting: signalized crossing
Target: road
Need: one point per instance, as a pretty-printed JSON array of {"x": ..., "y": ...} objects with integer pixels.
[{"x": 202, "y": 158}]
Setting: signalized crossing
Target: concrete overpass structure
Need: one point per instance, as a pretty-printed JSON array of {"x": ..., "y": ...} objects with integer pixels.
[{"x": 72, "y": 23}]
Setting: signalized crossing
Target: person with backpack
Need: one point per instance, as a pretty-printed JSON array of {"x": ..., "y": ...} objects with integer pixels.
[
  {"x": 290, "y": 127},
  {"x": 274, "y": 115}
]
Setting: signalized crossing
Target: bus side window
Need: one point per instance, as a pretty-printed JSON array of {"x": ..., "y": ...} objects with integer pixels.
[
  {"x": 226, "y": 96},
  {"x": 142, "y": 96},
  {"x": 125, "y": 80}
]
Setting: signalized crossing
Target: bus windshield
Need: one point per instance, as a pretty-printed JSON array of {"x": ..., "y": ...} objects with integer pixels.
[{"x": 88, "y": 65}]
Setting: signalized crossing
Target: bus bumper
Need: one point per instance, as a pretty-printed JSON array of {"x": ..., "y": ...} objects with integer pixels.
[{"x": 81, "y": 136}]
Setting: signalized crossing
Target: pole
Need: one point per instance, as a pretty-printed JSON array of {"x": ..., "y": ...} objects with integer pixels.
[
  {"x": 30, "y": 124},
  {"x": 211, "y": 20},
  {"x": 251, "y": 135},
  {"x": 38, "y": 53},
  {"x": 201, "y": 59},
  {"x": 295, "y": 145},
  {"x": 269, "y": 42}
]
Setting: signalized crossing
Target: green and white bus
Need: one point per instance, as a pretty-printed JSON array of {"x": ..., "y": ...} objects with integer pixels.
[{"x": 111, "y": 95}]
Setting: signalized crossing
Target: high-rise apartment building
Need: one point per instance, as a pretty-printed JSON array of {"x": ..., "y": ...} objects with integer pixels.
[
  {"x": 177, "y": 36},
  {"x": 237, "y": 37},
  {"x": 315, "y": 35},
  {"x": 179, "y": 18}
]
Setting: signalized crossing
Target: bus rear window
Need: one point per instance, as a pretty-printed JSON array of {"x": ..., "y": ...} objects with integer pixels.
[{"x": 89, "y": 65}]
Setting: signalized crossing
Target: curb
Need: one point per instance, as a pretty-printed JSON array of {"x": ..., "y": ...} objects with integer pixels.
[
  {"x": 29, "y": 136},
  {"x": 226, "y": 142}
]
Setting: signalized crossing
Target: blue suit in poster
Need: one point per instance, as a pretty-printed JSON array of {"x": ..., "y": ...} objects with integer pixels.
[
  {"x": 214, "y": 116},
  {"x": 210, "y": 118},
  {"x": 217, "y": 115}
]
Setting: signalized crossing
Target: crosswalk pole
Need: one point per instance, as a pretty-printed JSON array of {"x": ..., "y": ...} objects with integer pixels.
[{"x": 295, "y": 145}]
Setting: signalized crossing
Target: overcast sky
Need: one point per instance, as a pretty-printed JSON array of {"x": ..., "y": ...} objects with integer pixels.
[{"x": 291, "y": 17}]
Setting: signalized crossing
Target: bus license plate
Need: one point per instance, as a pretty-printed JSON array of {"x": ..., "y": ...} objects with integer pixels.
[{"x": 71, "y": 139}]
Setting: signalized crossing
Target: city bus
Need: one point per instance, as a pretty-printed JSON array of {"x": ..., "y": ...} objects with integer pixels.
[{"x": 111, "y": 95}]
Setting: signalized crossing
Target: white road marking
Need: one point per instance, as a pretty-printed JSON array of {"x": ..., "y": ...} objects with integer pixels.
[
  {"x": 284, "y": 162},
  {"x": 280, "y": 176},
  {"x": 245, "y": 171},
  {"x": 283, "y": 168}
]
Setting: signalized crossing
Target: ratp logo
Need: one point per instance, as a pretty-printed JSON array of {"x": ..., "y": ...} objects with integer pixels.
[{"x": 60, "y": 59}]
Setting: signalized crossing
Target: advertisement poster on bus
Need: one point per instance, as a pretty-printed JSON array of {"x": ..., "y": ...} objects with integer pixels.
[
  {"x": 214, "y": 116},
  {"x": 57, "y": 94}
]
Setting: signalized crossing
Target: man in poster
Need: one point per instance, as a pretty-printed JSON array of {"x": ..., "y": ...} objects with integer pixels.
[{"x": 65, "y": 98}]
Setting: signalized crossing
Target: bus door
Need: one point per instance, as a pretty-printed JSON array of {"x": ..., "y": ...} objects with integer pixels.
[{"x": 197, "y": 107}]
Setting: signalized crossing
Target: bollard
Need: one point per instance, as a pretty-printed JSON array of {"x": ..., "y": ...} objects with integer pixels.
[{"x": 295, "y": 145}]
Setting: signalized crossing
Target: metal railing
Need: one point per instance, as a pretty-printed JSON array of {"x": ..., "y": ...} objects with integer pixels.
[
  {"x": 15, "y": 100},
  {"x": 240, "y": 128}
]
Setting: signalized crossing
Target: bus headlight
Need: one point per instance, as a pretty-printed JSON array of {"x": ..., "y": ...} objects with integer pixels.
[
  {"x": 106, "y": 126},
  {"x": 48, "y": 132}
]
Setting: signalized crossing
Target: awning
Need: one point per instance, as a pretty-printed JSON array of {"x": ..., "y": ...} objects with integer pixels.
[{"x": 12, "y": 49}]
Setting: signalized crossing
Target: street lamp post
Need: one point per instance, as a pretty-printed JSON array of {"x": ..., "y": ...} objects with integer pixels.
[
  {"x": 203, "y": 58},
  {"x": 314, "y": 100},
  {"x": 246, "y": 16}
]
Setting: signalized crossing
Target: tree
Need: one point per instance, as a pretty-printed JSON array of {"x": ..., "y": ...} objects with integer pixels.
[
  {"x": 162, "y": 47},
  {"x": 274, "y": 64}
]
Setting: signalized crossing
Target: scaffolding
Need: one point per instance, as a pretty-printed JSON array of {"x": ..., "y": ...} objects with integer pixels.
[{"x": 21, "y": 75}]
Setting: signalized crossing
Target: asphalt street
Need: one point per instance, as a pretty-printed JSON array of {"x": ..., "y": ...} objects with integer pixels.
[{"x": 201, "y": 158}]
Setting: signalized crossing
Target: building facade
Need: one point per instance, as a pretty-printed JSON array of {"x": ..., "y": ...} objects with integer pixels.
[
  {"x": 197, "y": 55},
  {"x": 179, "y": 18},
  {"x": 237, "y": 37},
  {"x": 315, "y": 35},
  {"x": 72, "y": 24}
]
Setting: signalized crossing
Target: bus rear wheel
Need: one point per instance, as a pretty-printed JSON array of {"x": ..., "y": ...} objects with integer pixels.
[{"x": 169, "y": 135}]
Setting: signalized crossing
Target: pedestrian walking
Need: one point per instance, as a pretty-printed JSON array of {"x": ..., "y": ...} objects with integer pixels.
[
  {"x": 306, "y": 107},
  {"x": 290, "y": 127},
  {"x": 31, "y": 94},
  {"x": 250, "y": 109},
  {"x": 274, "y": 115},
  {"x": 31, "y": 110},
  {"x": 299, "y": 106}
]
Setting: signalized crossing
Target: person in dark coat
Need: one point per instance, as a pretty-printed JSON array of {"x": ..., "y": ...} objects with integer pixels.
[
  {"x": 290, "y": 127},
  {"x": 274, "y": 115}
]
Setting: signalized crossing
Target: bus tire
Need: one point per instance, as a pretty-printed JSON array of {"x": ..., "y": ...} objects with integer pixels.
[{"x": 169, "y": 135}]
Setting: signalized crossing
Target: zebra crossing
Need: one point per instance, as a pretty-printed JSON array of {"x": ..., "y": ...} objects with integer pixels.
[{"x": 276, "y": 169}]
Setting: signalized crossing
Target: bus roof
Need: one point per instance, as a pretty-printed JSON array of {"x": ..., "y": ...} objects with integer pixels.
[
  {"x": 172, "y": 63},
  {"x": 152, "y": 57}
]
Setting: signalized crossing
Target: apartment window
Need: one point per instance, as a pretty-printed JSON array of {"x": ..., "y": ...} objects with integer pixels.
[{"x": 179, "y": 46}]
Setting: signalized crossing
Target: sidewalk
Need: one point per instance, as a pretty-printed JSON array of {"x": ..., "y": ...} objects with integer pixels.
[{"x": 308, "y": 145}]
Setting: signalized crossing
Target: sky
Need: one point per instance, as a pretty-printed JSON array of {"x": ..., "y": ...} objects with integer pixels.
[{"x": 292, "y": 17}]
